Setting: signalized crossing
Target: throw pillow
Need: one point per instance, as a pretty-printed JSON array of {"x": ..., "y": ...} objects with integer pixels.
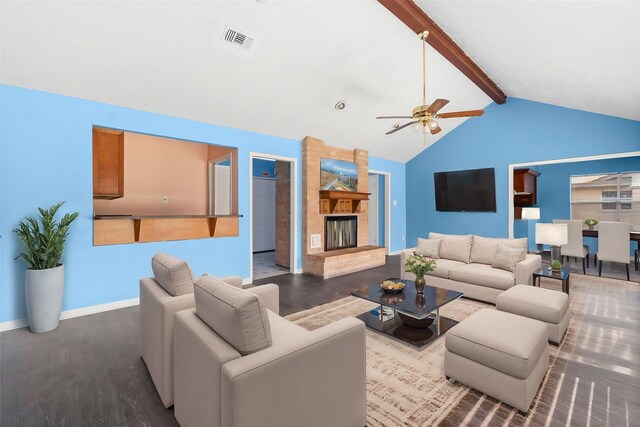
[
  {"x": 237, "y": 316},
  {"x": 429, "y": 248},
  {"x": 173, "y": 274},
  {"x": 507, "y": 258}
]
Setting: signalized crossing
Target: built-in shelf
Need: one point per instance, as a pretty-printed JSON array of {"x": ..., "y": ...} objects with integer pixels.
[
  {"x": 122, "y": 229},
  {"x": 335, "y": 201}
]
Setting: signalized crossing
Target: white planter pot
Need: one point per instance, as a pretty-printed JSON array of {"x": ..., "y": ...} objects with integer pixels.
[{"x": 43, "y": 292}]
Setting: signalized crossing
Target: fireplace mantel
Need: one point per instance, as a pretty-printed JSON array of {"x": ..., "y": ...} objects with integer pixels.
[
  {"x": 336, "y": 201},
  {"x": 343, "y": 195}
]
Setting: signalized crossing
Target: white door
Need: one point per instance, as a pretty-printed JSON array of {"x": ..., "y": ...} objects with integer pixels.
[
  {"x": 373, "y": 210},
  {"x": 264, "y": 214},
  {"x": 222, "y": 191}
]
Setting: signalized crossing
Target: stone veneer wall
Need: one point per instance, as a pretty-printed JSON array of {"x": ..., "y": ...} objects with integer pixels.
[
  {"x": 312, "y": 221},
  {"x": 283, "y": 213}
]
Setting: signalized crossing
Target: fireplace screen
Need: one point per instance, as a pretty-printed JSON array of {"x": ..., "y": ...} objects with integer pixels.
[{"x": 340, "y": 232}]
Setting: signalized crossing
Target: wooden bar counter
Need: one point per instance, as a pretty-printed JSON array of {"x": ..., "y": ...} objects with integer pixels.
[{"x": 121, "y": 229}]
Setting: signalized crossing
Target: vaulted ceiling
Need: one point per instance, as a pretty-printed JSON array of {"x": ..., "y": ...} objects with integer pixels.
[{"x": 169, "y": 58}]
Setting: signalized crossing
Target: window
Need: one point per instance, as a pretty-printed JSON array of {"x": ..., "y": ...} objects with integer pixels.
[{"x": 607, "y": 197}]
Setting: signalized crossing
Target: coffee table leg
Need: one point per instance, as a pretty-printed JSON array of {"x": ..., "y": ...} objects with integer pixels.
[{"x": 437, "y": 321}]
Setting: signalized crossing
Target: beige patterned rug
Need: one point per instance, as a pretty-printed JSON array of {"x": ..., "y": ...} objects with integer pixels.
[{"x": 407, "y": 387}]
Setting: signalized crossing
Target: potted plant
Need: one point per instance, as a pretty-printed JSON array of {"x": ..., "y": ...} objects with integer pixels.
[
  {"x": 590, "y": 222},
  {"x": 419, "y": 266},
  {"x": 556, "y": 265},
  {"x": 44, "y": 279}
]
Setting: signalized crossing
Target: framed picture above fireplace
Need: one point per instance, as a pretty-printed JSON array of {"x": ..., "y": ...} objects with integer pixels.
[{"x": 338, "y": 175}]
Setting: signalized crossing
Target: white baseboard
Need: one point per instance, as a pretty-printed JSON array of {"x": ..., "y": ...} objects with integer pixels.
[
  {"x": 77, "y": 312},
  {"x": 13, "y": 324}
]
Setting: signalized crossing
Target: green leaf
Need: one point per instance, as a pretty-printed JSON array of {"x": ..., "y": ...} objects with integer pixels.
[{"x": 44, "y": 239}]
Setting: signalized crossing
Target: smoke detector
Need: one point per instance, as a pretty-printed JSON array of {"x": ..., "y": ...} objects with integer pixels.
[{"x": 237, "y": 38}]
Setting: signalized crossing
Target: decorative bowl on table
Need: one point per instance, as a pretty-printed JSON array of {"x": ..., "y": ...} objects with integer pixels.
[{"x": 392, "y": 286}]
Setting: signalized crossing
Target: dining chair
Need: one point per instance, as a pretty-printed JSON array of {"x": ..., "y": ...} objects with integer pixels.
[
  {"x": 613, "y": 243},
  {"x": 575, "y": 246}
]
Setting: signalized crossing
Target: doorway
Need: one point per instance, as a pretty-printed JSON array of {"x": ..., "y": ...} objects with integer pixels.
[
  {"x": 379, "y": 209},
  {"x": 271, "y": 217}
]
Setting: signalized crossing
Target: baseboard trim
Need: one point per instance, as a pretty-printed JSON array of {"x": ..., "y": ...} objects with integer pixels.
[
  {"x": 77, "y": 312},
  {"x": 13, "y": 324}
]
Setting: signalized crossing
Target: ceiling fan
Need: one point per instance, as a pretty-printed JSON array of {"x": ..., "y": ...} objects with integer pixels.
[{"x": 425, "y": 115}]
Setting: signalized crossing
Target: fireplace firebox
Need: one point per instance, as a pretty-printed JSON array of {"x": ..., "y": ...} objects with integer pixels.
[{"x": 340, "y": 232}]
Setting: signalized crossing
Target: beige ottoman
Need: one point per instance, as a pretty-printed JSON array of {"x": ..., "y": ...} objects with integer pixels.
[
  {"x": 500, "y": 354},
  {"x": 546, "y": 305}
]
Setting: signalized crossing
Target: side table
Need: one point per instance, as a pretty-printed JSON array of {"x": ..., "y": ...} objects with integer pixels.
[{"x": 563, "y": 275}]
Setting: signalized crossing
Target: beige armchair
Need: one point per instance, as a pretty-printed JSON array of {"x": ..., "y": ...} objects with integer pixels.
[
  {"x": 575, "y": 247},
  {"x": 613, "y": 243},
  {"x": 234, "y": 369},
  {"x": 169, "y": 291}
]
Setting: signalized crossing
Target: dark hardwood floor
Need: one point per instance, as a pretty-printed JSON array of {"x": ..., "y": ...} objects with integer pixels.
[{"x": 88, "y": 372}]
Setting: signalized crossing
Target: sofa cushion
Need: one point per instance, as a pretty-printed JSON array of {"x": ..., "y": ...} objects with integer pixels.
[
  {"x": 533, "y": 302},
  {"x": 483, "y": 249},
  {"x": 453, "y": 246},
  {"x": 503, "y": 341},
  {"x": 429, "y": 248},
  {"x": 507, "y": 258},
  {"x": 483, "y": 275},
  {"x": 236, "y": 315},
  {"x": 443, "y": 266},
  {"x": 173, "y": 274}
]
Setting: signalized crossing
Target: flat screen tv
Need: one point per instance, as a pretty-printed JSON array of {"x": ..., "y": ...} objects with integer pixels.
[{"x": 465, "y": 191}]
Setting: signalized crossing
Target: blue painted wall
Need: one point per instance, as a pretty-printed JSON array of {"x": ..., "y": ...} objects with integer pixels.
[
  {"x": 262, "y": 165},
  {"x": 381, "y": 208},
  {"x": 517, "y": 132},
  {"x": 398, "y": 213},
  {"x": 45, "y": 154}
]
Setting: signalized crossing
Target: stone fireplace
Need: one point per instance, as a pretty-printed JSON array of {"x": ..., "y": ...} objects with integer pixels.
[
  {"x": 335, "y": 231},
  {"x": 340, "y": 232}
]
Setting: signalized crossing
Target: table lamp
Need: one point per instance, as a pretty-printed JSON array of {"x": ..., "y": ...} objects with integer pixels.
[{"x": 554, "y": 235}]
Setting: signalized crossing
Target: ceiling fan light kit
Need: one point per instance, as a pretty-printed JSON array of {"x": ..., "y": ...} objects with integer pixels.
[{"x": 425, "y": 115}]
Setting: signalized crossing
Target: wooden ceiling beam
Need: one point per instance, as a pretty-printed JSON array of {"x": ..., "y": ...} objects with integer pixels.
[{"x": 415, "y": 18}]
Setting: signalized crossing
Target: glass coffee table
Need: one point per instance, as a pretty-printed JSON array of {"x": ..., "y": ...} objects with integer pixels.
[{"x": 408, "y": 316}]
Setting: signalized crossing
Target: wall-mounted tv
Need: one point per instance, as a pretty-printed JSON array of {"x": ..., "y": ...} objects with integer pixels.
[
  {"x": 465, "y": 191},
  {"x": 338, "y": 175}
]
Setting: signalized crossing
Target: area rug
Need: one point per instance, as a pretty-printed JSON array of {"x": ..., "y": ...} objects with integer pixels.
[{"x": 407, "y": 387}]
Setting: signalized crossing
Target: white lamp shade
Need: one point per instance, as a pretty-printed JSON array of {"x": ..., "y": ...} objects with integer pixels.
[
  {"x": 530, "y": 213},
  {"x": 552, "y": 234}
]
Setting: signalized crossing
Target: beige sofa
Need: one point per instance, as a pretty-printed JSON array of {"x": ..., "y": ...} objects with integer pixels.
[
  {"x": 464, "y": 265},
  {"x": 238, "y": 363}
]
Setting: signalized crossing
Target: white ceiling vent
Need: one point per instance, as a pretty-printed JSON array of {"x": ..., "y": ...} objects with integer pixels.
[{"x": 237, "y": 38}]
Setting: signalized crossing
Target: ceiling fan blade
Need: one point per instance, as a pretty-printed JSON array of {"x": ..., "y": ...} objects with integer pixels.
[
  {"x": 400, "y": 127},
  {"x": 470, "y": 113},
  {"x": 394, "y": 117},
  {"x": 437, "y": 105},
  {"x": 436, "y": 130}
]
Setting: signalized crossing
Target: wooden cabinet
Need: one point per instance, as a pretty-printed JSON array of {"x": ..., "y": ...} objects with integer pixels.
[
  {"x": 334, "y": 201},
  {"x": 525, "y": 187},
  {"x": 108, "y": 163}
]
